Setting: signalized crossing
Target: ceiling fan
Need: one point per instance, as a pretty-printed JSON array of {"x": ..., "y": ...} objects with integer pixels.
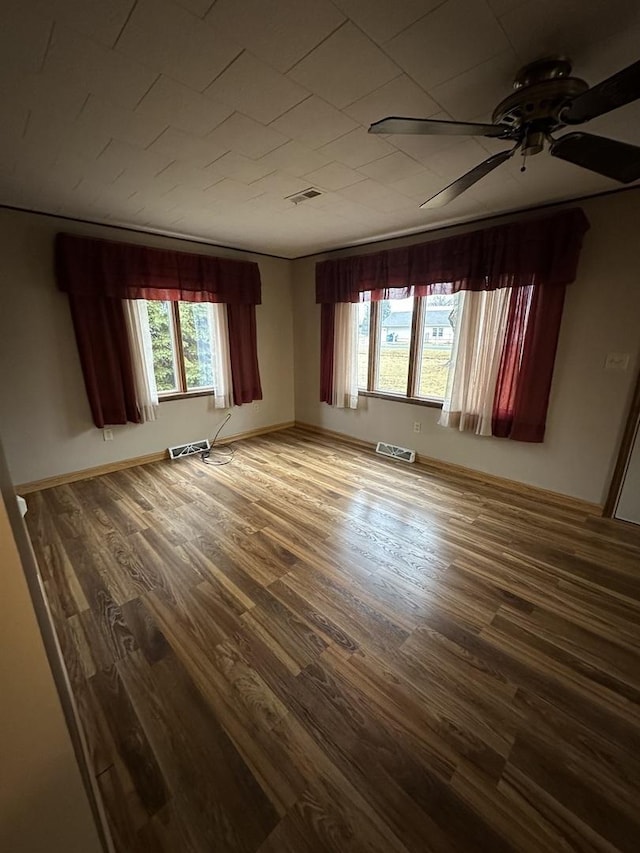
[{"x": 546, "y": 99}]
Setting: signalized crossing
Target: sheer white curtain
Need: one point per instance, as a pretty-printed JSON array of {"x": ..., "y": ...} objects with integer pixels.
[
  {"x": 345, "y": 356},
  {"x": 223, "y": 395},
  {"x": 137, "y": 319},
  {"x": 479, "y": 336}
]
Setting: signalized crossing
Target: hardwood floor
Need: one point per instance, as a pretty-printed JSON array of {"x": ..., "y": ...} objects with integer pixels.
[{"x": 314, "y": 649}]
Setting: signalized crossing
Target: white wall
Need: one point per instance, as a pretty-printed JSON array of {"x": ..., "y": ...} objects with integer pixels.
[
  {"x": 45, "y": 419},
  {"x": 43, "y": 805},
  {"x": 44, "y": 414},
  {"x": 588, "y": 404}
]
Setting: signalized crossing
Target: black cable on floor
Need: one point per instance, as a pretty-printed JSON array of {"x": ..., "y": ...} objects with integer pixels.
[{"x": 225, "y": 454}]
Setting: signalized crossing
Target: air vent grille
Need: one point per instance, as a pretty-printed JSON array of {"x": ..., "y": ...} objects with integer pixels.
[
  {"x": 181, "y": 450},
  {"x": 305, "y": 195},
  {"x": 395, "y": 452}
]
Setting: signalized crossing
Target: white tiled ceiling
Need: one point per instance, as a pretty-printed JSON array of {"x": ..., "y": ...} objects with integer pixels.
[
  {"x": 197, "y": 117},
  {"x": 167, "y": 38},
  {"x": 456, "y": 36},
  {"x": 176, "y": 145},
  {"x": 294, "y": 158},
  {"x": 474, "y": 93},
  {"x": 245, "y": 136},
  {"x": 280, "y": 32},
  {"x": 357, "y": 148},
  {"x": 252, "y": 87},
  {"x": 314, "y": 122},
  {"x": 136, "y": 128},
  {"x": 400, "y": 97},
  {"x": 73, "y": 59},
  {"x": 345, "y": 67},
  {"x": 100, "y": 20},
  {"x": 382, "y": 20},
  {"x": 335, "y": 176},
  {"x": 172, "y": 104},
  {"x": 391, "y": 168}
]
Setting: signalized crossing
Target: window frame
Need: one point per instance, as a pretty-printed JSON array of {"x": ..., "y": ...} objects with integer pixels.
[
  {"x": 415, "y": 343},
  {"x": 182, "y": 392}
]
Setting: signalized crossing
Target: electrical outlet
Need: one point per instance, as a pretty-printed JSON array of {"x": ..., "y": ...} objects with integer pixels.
[
  {"x": 417, "y": 426},
  {"x": 616, "y": 361},
  {"x": 107, "y": 434},
  {"x": 256, "y": 407}
]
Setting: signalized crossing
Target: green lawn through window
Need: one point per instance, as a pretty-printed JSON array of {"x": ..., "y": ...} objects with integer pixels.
[{"x": 393, "y": 369}]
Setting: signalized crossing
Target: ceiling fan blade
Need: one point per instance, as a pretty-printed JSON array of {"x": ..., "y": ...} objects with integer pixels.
[
  {"x": 397, "y": 124},
  {"x": 608, "y": 157},
  {"x": 461, "y": 184},
  {"x": 614, "y": 92}
]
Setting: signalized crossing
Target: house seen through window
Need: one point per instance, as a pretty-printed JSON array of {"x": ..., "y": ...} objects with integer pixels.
[
  {"x": 182, "y": 340},
  {"x": 405, "y": 346}
]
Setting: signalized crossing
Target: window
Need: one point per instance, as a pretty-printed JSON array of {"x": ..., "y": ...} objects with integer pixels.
[
  {"x": 364, "y": 314},
  {"x": 393, "y": 343},
  {"x": 405, "y": 346},
  {"x": 182, "y": 341}
]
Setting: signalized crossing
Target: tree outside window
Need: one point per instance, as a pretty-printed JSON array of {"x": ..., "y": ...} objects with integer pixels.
[{"x": 181, "y": 337}]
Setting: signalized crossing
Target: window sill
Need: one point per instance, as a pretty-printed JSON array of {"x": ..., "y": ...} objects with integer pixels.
[
  {"x": 415, "y": 401},
  {"x": 180, "y": 395}
]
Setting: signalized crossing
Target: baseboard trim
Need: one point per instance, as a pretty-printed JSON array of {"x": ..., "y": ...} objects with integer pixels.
[
  {"x": 86, "y": 473},
  {"x": 451, "y": 469},
  {"x": 251, "y": 433},
  {"x": 110, "y": 467},
  {"x": 338, "y": 436}
]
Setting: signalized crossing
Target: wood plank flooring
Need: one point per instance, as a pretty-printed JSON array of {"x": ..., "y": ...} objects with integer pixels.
[{"x": 314, "y": 649}]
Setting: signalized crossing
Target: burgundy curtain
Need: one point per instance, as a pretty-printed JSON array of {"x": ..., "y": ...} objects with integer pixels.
[
  {"x": 526, "y": 369},
  {"x": 536, "y": 370},
  {"x": 510, "y": 255},
  {"x": 327, "y": 332},
  {"x": 98, "y": 274},
  {"x": 105, "y": 357},
  {"x": 511, "y": 360},
  {"x": 243, "y": 351},
  {"x": 124, "y": 271}
]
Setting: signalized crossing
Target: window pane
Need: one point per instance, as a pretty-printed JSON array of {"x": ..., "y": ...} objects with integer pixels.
[
  {"x": 162, "y": 343},
  {"x": 364, "y": 318},
  {"x": 434, "y": 356},
  {"x": 393, "y": 345},
  {"x": 195, "y": 324}
]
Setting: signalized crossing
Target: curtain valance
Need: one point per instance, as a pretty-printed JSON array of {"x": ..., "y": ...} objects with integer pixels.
[
  {"x": 87, "y": 266},
  {"x": 544, "y": 250}
]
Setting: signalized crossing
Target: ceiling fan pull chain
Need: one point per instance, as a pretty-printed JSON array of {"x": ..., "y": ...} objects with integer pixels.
[{"x": 523, "y": 168}]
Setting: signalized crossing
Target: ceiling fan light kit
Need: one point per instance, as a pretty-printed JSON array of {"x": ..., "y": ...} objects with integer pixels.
[{"x": 546, "y": 99}]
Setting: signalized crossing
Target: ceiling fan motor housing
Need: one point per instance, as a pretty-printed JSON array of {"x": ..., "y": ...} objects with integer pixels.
[{"x": 534, "y": 110}]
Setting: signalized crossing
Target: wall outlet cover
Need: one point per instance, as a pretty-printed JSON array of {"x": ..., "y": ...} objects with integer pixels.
[{"x": 616, "y": 361}]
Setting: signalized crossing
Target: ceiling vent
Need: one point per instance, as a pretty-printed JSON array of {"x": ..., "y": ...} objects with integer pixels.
[{"x": 305, "y": 195}]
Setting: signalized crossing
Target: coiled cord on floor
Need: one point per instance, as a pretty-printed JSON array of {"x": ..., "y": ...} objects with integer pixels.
[{"x": 223, "y": 455}]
